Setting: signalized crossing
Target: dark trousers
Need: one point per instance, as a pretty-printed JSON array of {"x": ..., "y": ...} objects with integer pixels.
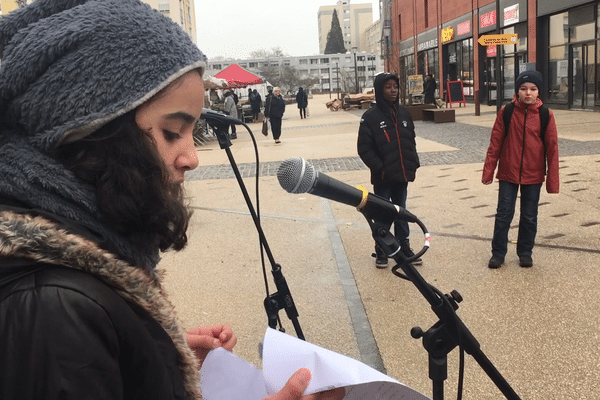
[
  {"x": 302, "y": 112},
  {"x": 397, "y": 194},
  {"x": 507, "y": 198},
  {"x": 276, "y": 127}
]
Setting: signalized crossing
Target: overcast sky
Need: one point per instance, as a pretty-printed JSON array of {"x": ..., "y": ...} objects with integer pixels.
[{"x": 234, "y": 28}]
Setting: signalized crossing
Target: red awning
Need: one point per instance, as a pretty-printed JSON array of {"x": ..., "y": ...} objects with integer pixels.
[{"x": 238, "y": 77}]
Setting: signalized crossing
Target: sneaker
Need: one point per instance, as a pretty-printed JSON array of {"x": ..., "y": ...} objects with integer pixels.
[
  {"x": 278, "y": 141},
  {"x": 525, "y": 261},
  {"x": 495, "y": 262},
  {"x": 381, "y": 260},
  {"x": 409, "y": 253}
]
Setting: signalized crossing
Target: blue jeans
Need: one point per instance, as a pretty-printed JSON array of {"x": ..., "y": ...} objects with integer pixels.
[
  {"x": 397, "y": 194},
  {"x": 507, "y": 198}
]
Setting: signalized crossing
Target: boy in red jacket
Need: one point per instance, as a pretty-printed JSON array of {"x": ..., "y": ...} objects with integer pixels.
[{"x": 524, "y": 156}]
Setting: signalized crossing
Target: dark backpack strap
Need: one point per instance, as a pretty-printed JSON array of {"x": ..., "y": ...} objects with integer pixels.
[
  {"x": 544, "y": 119},
  {"x": 507, "y": 115}
]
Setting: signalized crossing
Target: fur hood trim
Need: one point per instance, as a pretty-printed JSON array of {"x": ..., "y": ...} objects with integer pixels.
[{"x": 38, "y": 239}]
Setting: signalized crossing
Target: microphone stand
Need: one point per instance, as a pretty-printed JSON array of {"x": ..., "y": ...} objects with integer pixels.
[
  {"x": 282, "y": 299},
  {"x": 449, "y": 331}
]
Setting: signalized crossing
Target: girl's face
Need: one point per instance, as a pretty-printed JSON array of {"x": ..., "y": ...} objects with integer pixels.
[
  {"x": 528, "y": 93},
  {"x": 170, "y": 118}
]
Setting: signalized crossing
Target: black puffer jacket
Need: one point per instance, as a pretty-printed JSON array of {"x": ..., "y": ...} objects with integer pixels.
[
  {"x": 275, "y": 107},
  {"x": 77, "y": 323},
  {"x": 386, "y": 140}
]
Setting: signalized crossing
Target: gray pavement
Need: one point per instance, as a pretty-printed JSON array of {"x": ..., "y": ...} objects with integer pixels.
[{"x": 538, "y": 326}]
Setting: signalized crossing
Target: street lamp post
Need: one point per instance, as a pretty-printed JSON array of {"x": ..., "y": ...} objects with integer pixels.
[
  {"x": 337, "y": 79},
  {"x": 354, "y": 49}
]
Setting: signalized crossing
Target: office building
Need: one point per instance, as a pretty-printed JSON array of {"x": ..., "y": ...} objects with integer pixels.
[
  {"x": 332, "y": 72},
  {"x": 354, "y": 20}
]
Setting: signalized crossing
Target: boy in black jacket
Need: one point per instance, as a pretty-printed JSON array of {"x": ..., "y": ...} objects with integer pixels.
[{"x": 386, "y": 144}]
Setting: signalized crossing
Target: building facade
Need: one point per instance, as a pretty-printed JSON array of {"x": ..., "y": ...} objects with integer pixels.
[
  {"x": 559, "y": 38},
  {"x": 180, "y": 11},
  {"x": 354, "y": 19},
  {"x": 7, "y": 6},
  {"x": 333, "y": 72}
]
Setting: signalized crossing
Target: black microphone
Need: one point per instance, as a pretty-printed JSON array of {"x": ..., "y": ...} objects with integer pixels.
[
  {"x": 297, "y": 175},
  {"x": 214, "y": 117}
]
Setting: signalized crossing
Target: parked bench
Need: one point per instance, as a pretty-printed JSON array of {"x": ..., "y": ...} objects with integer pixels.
[{"x": 439, "y": 115}]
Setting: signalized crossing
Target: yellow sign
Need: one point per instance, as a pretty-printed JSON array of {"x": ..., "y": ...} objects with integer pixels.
[
  {"x": 447, "y": 34},
  {"x": 490, "y": 40}
]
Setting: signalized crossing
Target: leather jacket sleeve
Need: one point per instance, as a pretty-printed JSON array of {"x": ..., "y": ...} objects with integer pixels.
[{"x": 66, "y": 335}]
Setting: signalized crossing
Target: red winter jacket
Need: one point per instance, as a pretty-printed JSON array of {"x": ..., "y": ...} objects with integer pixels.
[{"x": 522, "y": 157}]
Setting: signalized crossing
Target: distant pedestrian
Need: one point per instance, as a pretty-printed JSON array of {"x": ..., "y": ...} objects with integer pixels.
[
  {"x": 255, "y": 103},
  {"x": 302, "y": 100},
  {"x": 230, "y": 109},
  {"x": 526, "y": 153},
  {"x": 274, "y": 109},
  {"x": 387, "y": 145},
  {"x": 429, "y": 89}
]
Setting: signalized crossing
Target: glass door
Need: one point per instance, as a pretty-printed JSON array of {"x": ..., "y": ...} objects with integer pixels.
[
  {"x": 490, "y": 80},
  {"x": 583, "y": 75}
]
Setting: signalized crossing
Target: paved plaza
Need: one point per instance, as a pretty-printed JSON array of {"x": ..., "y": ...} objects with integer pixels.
[{"x": 538, "y": 326}]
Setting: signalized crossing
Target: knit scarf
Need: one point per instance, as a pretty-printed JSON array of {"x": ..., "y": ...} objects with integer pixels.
[{"x": 36, "y": 181}]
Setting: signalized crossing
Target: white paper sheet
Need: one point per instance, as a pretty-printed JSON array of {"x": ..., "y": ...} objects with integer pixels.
[{"x": 226, "y": 377}]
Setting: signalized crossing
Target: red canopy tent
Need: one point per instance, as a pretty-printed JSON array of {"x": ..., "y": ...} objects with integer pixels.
[{"x": 238, "y": 77}]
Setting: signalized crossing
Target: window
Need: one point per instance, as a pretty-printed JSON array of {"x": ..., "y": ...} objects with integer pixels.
[
  {"x": 399, "y": 27},
  {"x": 324, "y": 60},
  {"x": 216, "y": 66},
  {"x": 314, "y": 60},
  {"x": 163, "y": 6},
  {"x": 303, "y": 61},
  {"x": 325, "y": 70},
  {"x": 253, "y": 65},
  {"x": 426, "y": 6}
]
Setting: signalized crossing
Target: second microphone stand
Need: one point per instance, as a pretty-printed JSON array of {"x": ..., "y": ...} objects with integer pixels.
[
  {"x": 282, "y": 299},
  {"x": 449, "y": 331}
]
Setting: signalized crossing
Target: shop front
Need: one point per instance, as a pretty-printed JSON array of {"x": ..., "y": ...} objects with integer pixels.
[
  {"x": 406, "y": 67},
  {"x": 572, "y": 43},
  {"x": 428, "y": 54},
  {"x": 457, "y": 52}
]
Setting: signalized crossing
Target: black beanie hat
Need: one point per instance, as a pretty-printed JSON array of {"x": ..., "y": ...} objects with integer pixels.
[{"x": 529, "y": 76}]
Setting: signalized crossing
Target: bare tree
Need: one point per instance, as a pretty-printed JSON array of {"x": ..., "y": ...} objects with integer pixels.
[
  {"x": 288, "y": 78},
  {"x": 264, "y": 53}
]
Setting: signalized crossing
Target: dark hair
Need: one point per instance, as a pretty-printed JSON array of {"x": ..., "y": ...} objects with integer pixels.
[{"x": 132, "y": 184}]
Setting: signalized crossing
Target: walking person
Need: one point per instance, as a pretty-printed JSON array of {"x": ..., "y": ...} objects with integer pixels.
[
  {"x": 302, "y": 100},
  {"x": 429, "y": 89},
  {"x": 387, "y": 145},
  {"x": 274, "y": 110},
  {"x": 524, "y": 147},
  {"x": 230, "y": 109},
  {"x": 255, "y": 103},
  {"x": 92, "y": 168}
]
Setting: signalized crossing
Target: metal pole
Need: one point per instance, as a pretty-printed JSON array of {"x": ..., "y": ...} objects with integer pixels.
[
  {"x": 337, "y": 79},
  {"x": 356, "y": 74}
]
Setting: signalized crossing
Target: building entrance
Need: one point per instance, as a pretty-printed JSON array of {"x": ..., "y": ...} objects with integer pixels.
[{"x": 583, "y": 75}]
